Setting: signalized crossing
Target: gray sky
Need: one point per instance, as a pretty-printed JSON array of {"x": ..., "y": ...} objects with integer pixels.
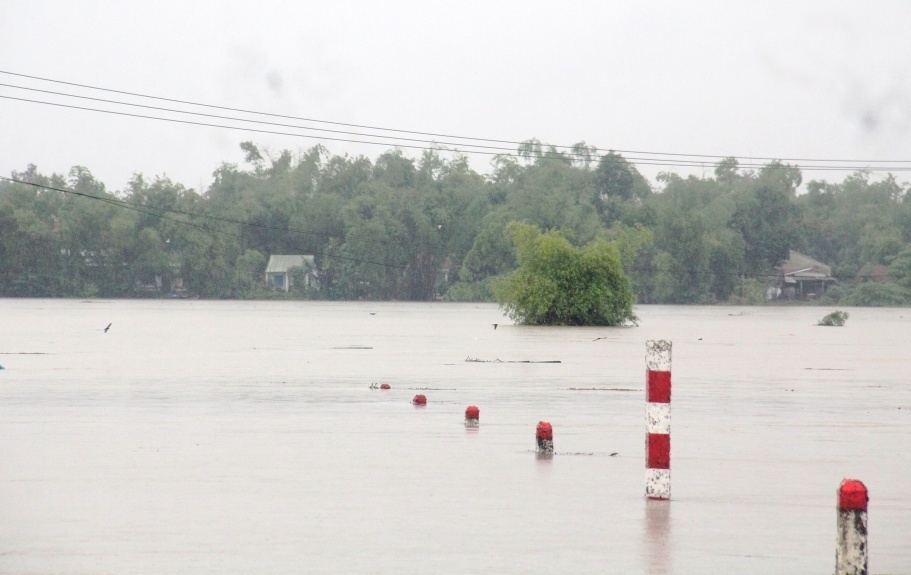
[{"x": 754, "y": 79}]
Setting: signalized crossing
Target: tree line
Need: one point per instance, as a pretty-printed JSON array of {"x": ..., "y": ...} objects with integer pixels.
[{"x": 402, "y": 228}]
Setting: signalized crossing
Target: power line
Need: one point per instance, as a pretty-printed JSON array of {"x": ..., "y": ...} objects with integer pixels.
[
  {"x": 216, "y": 116},
  {"x": 633, "y": 160},
  {"x": 646, "y": 161},
  {"x": 226, "y": 108}
]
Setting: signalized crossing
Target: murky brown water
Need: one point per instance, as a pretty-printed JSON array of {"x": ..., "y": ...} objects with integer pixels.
[{"x": 227, "y": 437}]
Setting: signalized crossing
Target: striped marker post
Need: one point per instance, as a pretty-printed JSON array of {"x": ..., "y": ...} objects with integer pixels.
[
  {"x": 851, "y": 549},
  {"x": 658, "y": 419}
]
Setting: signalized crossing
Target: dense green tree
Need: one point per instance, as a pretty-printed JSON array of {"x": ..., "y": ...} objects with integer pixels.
[
  {"x": 492, "y": 252},
  {"x": 417, "y": 228},
  {"x": 765, "y": 219},
  {"x": 558, "y": 284},
  {"x": 875, "y": 294},
  {"x": 619, "y": 190}
]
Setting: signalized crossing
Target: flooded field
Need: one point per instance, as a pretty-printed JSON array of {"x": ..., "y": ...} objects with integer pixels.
[{"x": 244, "y": 437}]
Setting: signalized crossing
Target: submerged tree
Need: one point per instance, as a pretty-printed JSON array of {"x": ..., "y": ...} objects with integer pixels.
[{"x": 559, "y": 284}]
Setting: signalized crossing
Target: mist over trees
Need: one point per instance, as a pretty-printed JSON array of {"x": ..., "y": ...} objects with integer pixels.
[{"x": 403, "y": 228}]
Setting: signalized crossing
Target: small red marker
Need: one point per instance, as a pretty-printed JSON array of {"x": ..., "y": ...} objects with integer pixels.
[{"x": 472, "y": 416}]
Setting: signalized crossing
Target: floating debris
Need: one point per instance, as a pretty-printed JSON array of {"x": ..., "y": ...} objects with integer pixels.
[
  {"x": 582, "y": 453},
  {"x": 470, "y": 359},
  {"x": 827, "y": 368},
  {"x": 601, "y": 389}
]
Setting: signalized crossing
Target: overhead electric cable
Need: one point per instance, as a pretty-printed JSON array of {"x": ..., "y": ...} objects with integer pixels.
[
  {"x": 716, "y": 157},
  {"x": 227, "y": 108},
  {"x": 232, "y": 118},
  {"x": 632, "y": 160}
]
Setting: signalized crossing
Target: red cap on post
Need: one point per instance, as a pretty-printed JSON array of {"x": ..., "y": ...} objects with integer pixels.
[
  {"x": 419, "y": 400},
  {"x": 472, "y": 412},
  {"x": 544, "y": 431},
  {"x": 852, "y": 496}
]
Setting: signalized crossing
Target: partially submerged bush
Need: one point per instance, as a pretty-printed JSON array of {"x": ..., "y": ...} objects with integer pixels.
[
  {"x": 836, "y": 318},
  {"x": 559, "y": 284}
]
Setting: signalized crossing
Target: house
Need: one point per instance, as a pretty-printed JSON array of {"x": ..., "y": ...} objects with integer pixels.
[
  {"x": 278, "y": 271},
  {"x": 802, "y": 277}
]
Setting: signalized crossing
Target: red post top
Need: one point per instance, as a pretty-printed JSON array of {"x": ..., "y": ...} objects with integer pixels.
[
  {"x": 385, "y": 386},
  {"x": 419, "y": 400},
  {"x": 472, "y": 412},
  {"x": 852, "y": 495},
  {"x": 544, "y": 431}
]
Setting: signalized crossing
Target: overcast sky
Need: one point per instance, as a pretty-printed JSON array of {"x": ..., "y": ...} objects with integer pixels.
[{"x": 824, "y": 80}]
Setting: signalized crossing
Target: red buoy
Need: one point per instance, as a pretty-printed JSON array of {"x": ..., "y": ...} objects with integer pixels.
[
  {"x": 385, "y": 386},
  {"x": 472, "y": 415},
  {"x": 419, "y": 400},
  {"x": 544, "y": 435}
]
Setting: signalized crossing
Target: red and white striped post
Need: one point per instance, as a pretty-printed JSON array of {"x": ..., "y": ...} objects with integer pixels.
[
  {"x": 658, "y": 419},
  {"x": 851, "y": 549}
]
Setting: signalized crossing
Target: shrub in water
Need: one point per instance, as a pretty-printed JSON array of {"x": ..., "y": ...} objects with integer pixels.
[{"x": 836, "y": 318}]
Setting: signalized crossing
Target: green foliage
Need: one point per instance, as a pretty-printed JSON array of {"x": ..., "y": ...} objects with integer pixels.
[
  {"x": 472, "y": 291},
  {"x": 750, "y": 291},
  {"x": 249, "y": 269},
  {"x": 900, "y": 270},
  {"x": 877, "y": 294},
  {"x": 386, "y": 228},
  {"x": 558, "y": 284},
  {"x": 836, "y": 318}
]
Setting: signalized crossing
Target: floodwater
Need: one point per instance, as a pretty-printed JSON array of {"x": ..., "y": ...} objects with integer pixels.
[{"x": 243, "y": 437}]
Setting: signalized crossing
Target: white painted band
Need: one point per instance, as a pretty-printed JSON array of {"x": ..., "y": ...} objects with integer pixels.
[
  {"x": 658, "y": 483},
  {"x": 658, "y": 355},
  {"x": 658, "y": 417},
  {"x": 851, "y": 547}
]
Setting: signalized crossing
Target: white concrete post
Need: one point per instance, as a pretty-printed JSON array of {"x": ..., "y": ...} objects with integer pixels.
[
  {"x": 851, "y": 549},
  {"x": 658, "y": 419}
]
